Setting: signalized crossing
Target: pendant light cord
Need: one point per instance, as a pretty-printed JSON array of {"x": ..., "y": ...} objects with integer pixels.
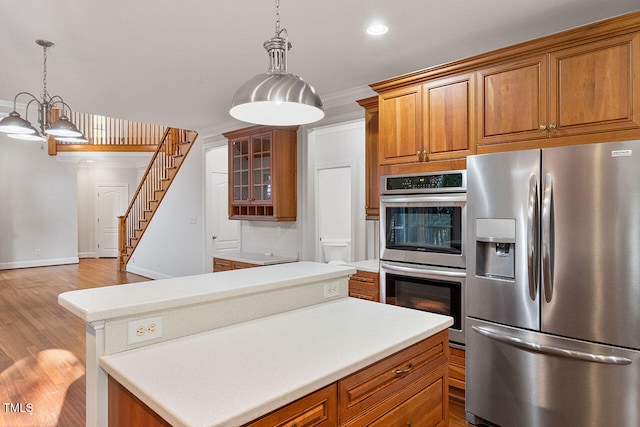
[
  {"x": 277, "y": 18},
  {"x": 45, "y": 93}
]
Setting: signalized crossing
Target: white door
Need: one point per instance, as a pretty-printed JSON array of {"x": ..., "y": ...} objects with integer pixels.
[
  {"x": 223, "y": 232},
  {"x": 112, "y": 202},
  {"x": 334, "y": 213}
]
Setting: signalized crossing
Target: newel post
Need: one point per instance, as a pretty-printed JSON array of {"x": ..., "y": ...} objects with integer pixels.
[{"x": 122, "y": 241}]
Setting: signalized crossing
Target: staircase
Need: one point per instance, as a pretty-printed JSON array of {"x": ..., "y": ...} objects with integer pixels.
[{"x": 157, "y": 179}]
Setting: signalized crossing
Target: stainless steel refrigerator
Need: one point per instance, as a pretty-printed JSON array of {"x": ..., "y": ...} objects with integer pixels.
[{"x": 553, "y": 287}]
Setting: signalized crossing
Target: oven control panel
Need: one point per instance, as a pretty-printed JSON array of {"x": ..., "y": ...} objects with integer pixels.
[{"x": 428, "y": 182}]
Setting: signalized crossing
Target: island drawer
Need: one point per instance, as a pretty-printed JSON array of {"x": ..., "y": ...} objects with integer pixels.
[
  {"x": 365, "y": 285},
  {"x": 381, "y": 387},
  {"x": 316, "y": 409},
  {"x": 427, "y": 408}
]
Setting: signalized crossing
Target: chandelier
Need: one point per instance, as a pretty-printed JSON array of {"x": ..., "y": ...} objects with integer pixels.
[
  {"x": 62, "y": 129},
  {"x": 277, "y": 97}
]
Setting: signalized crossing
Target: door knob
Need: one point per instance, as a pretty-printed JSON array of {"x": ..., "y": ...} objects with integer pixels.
[{"x": 214, "y": 237}]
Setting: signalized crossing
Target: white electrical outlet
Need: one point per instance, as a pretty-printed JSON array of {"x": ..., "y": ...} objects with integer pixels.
[
  {"x": 331, "y": 289},
  {"x": 144, "y": 329}
]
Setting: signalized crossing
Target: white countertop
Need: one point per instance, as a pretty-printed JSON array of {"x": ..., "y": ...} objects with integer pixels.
[
  {"x": 254, "y": 258},
  {"x": 134, "y": 298},
  {"x": 370, "y": 265},
  {"x": 232, "y": 375}
]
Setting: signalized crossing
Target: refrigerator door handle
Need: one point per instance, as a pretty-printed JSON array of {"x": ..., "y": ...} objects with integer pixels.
[
  {"x": 547, "y": 238},
  {"x": 532, "y": 237},
  {"x": 551, "y": 350}
]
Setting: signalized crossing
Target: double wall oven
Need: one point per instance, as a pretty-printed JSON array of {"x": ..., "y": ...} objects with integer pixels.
[{"x": 422, "y": 232}]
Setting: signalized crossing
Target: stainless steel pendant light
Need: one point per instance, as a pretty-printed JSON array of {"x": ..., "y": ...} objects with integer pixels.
[
  {"x": 277, "y": 97},
  {"x": 17, "y": 127}
]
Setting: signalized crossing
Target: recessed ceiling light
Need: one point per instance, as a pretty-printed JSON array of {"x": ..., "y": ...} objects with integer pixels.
[{"x": 377, "y": 29}]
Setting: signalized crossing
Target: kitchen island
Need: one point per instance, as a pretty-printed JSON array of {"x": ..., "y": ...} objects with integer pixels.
[{"x": 278, "y": 334}]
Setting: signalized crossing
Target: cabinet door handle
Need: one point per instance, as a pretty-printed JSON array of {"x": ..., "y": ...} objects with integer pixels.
[
  {"x": 552, "y": 126},
  {"x": 403, "y": 371},
  {"x": 409, "y": 424},
  {"x": 543, "y": 127}
]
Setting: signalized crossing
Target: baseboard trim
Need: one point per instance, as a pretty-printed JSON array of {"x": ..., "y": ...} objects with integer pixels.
[
  {"x": 88, "y": 255},
  {"x": 147, "y": 273},
  {"x": 38, "y": 263}
]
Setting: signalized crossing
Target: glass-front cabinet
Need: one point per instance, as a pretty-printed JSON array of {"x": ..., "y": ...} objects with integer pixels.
[{"x": 262, "y": 173}]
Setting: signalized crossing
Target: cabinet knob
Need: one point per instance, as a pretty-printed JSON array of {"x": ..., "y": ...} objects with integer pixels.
[
  {"x": 543, "y": 127},
  {"x": 214, "y": 237},
  {"x": 552, "y": 126}
]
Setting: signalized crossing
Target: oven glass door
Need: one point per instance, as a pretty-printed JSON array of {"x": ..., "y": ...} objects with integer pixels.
[
  {"x": 425, "y": 230},
  {"x": 436, "y": 296},
  {"x": 428, "y": 289},
  {"x": 433, "y": 229}
]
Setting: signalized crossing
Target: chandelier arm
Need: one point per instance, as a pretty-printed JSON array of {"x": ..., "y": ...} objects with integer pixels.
[
  {"x": 15, "y": 99},
  {"x": 26, "y": 110},
  {"x": 57, "y": 99}
]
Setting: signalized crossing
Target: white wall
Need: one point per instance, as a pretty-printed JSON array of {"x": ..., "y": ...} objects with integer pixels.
[
  {"x": 38, "y": 206},
  {"x": 173, "y": 244}
]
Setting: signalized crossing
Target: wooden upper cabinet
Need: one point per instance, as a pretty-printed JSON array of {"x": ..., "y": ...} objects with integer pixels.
[
  {"x": 595, "y": 87},
  {"x": 584, "y": 89},
  {"x": 512, "y": 101},
  {"x": 372, "y": 178},
  {"x": 401, "y": 125},
  {"x": 262, "y": 173},
  {"x": 449, "y": 117}
]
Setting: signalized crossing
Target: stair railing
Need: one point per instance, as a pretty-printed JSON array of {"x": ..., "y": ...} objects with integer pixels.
[{"x": 162, "y": 168}]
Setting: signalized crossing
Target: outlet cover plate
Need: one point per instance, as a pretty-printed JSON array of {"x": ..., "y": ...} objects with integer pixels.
[
  {"x": 331, "y": 289},
  {"x": 144, "y": 329}
]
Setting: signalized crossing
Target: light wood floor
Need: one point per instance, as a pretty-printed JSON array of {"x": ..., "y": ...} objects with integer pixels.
[{"x": 42, "y": 345}]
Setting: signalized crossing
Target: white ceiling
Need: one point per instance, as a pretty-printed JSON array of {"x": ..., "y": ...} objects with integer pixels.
[{"x": 178, "y": 63}]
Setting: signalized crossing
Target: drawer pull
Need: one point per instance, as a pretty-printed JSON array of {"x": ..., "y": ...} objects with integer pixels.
[
  {"x": 405, "y": 370},
  {"x": 409, "y": 424}
]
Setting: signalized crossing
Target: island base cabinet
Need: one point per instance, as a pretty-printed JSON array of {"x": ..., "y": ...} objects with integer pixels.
[
  {"x": 316, "y": 409},
  {"x": 126, "y": 410},
  {"x": 408, "y": 388},
  {"x": 424, "y": 409},
  {"x": 384, "y": 391}
]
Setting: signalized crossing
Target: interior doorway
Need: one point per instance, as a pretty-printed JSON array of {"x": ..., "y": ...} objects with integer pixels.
[
  {"x": 222, "y": 234},
  {"x": 335, "y": 213},
  {"x": 112, "y": 202}
]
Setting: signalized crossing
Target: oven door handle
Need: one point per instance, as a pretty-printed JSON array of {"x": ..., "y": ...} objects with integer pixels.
[{"x": 421, "y": 270}]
